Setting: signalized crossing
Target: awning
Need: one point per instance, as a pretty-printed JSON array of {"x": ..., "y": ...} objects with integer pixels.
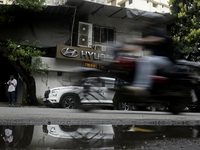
[
  {"x": 51, "y": 26},
  {"x": 85, "y": 8}
]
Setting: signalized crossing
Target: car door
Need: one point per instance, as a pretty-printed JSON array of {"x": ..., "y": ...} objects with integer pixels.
[
  {"x": 109, "y": 94},
  {"x": 94, "y": 93}
]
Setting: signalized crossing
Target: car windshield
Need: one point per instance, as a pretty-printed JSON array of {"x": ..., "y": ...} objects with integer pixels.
[{"x": 80, "y": 83}]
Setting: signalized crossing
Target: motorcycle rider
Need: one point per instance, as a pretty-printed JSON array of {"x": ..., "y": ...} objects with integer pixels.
[{"x": 162, "y": 57}]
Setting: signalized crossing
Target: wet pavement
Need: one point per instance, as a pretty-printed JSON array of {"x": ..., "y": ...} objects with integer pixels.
[
  {"x": 38, "y": 128},
  {"x": 43, "y": 116},
  {"x": 100, "y": 137}
]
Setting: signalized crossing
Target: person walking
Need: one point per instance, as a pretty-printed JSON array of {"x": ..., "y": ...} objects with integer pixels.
[
  {"x": 162, "y": 57},
  {"x": 11, "y": 90}
]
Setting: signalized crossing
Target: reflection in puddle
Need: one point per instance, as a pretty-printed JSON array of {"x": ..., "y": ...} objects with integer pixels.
[{"x": 97, "y": 136}]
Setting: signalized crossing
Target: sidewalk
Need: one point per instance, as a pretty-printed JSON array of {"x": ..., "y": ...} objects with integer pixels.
[{"x": 5, "y": 104}]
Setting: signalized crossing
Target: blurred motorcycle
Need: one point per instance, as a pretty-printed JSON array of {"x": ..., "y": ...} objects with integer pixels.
[{"x": 171, "y": 86}]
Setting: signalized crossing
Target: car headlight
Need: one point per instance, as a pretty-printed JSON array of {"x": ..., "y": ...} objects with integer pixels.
[
  {"x": 55, "y": 92},
  {"x": 53, "y": 131}
]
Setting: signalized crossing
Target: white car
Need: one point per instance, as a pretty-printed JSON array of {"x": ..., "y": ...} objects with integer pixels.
[
  {"x": 80, "y": 132},
  {"x": 90, "y": 91},
  {"x": 75, "y": 137}
]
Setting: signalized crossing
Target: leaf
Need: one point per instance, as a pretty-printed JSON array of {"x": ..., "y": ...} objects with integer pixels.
[
  {"x": 24, "y": 53},
  {"x": 186, "y": 27}
]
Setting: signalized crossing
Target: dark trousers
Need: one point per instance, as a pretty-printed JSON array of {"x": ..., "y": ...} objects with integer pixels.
[{"x": 11, "y": 97}]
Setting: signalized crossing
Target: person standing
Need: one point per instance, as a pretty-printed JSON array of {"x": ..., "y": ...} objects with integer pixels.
[{"x": 11, "y": 90}]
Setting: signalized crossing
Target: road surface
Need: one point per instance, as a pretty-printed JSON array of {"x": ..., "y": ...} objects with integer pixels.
[{"x": 42, "y": 116}]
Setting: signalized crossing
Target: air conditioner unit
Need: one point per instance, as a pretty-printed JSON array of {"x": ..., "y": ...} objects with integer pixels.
[
  {"x": 100, "y": 47},
  {"x": 84, "y": 34}
]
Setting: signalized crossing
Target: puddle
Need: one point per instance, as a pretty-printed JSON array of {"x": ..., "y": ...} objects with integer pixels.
[{"x": 99, "y": 137}]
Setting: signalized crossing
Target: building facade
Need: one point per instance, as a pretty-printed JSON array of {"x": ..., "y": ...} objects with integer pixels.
[
  {"x": 92, "y": 32},
  {"x": 99, "y": 1},
  {"x": 100, "y": 30},
  {"x": 7, "y": 2},
  {"x": 160, "y": 6},
  {"x": 54, "y": 2},
  {"x": 80, "y": 25}
]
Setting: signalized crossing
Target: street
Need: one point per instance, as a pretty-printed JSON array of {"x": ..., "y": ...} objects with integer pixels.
[
  {"x": 50, "y": 128},
  {"x": 44, "y": 116}
]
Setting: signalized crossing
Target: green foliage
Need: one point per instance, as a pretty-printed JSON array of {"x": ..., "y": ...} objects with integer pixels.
[
  {"x": 26, "y": 100},
  {"x": 4, "y": 16},
  {"x": 21, "y": 51},
  {"x": 186, "y": 30},
  {"x": 24, "y": 53},
  {"x": 30, "y": 5}
]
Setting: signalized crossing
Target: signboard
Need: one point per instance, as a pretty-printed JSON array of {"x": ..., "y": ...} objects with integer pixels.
[
  {"x": 90, "y": 65},
  {"x": 79, "y": 53}
]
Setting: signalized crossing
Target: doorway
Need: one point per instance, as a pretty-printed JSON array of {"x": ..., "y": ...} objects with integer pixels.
[{"x": 7, "y": 70}]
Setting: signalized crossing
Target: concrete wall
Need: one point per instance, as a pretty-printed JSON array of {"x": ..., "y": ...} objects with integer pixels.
[
  {"x": 64, "y": 65},
  {"x": 61, "y": 73},
  {"x": 21, "y": 91},
  {"x": 124, "y": 28},
  {"x": 52, "y": 80}
]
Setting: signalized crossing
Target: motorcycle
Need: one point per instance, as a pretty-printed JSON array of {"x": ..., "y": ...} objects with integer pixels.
[
  {"x": 171, "y": 86},
  {"x": 171, "y": 89}
]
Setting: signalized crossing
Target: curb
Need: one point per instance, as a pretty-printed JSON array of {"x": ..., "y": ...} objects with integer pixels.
[{"x": 5, "y": 104}]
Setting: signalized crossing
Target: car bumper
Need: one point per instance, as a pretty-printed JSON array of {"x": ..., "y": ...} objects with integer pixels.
[{"x": 50, "y": 104}]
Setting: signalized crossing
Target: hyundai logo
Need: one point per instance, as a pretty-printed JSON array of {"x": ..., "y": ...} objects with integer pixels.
[{"x": 69, "y": 52}]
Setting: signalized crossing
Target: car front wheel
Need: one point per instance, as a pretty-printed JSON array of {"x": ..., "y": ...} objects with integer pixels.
[{"x": 68, "y": 102}]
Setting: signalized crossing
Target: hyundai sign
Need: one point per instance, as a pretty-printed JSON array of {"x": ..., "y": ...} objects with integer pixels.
[{"x": 80, "y": 53}]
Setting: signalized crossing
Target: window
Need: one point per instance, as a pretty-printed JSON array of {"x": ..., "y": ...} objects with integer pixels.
[
  {"x": 122, "y": 5},
  {"x": 97, "y": 33},
  {"x": 103, "y": 34},
  {"x": 94, "y": 83},
  {"x": 155, "y": 5},
  {"x": 130, "y": 1},
  {"x": 109, "y": 84}
]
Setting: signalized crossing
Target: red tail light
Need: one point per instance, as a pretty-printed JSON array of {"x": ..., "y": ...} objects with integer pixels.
[{"x": 159, "y": 79}]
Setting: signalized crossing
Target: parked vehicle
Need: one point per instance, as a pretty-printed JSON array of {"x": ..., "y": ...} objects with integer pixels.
[{"x": 91, "y": 91}]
